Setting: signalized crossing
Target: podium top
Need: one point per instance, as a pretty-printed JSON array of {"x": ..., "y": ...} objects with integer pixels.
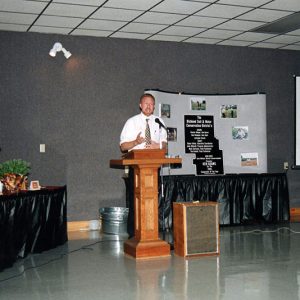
[
  {"x": 145, "y": 157},
  {"x": 145, "y": 153}
]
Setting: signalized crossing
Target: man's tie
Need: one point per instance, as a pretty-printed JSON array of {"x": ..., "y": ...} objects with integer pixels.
[{"x": 147, "y": 133}]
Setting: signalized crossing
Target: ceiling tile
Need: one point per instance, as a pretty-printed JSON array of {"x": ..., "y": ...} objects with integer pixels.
[
  {"x": 83, "y": 2},
  {"x": 218, "y": 33},
  {"x": 295, "y": 32},
  {"x": 202, "y": 40},
  {"x": 17, "y": 18},
  {"x": 264, "y": 15},
  {"x": 91, "y": 32},
  {"x": 159, "y": 18},
  {"x": 248, "y": 3},
  {"x": 170, "y": 38},
  {"x": 102, "y": 25},
  {"x": 143, "y": 28},
  {"x": 291, "y": 5},
  {"x": 179, "y": 6},
  {"x": 235, "y": 43},
  {"x": 130, "y": 35},
  {"x": 58, "y": 21},
  {"x": 253, "y": 36},
  {"x": 239, "y": 24},
  {"x": 22, "y": 6},
  {"x": 13, "y": 27},
  {"x": 48, "y": 29},
  {"x": 198, "y": 21},
  {"x": 291, "y": 47},
  {"x": 223, "y": 11},
  {"x": 182, "y": 31},
  {"x": 282, "y": 25},
  {"x": 57, "y": 9},
  {"x": 132, "y": 4},
  {"x": 266, "y": 45},
  {"x": 116, "y": 14},
  {"x": 285, "y": 39},
  {"x": 209, "y": 1}
]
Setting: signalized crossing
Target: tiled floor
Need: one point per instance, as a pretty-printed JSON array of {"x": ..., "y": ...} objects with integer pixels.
[{"x": 254, "y": 263}]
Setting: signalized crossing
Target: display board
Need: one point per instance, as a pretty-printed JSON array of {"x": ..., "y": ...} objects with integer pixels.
[{"x": 214, "y": 134}]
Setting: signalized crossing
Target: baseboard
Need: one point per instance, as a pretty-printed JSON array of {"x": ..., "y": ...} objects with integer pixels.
[
  {"x": 78, "y": 226},
  {"x": 295, "y": 214},
  {"x": 85, "y": 225},
  {"x": 82, "y": 230}
]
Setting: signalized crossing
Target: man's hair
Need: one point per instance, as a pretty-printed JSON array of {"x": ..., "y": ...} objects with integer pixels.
[{"x": 147, "y": 95}]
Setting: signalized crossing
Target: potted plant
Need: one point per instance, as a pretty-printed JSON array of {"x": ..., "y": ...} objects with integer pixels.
[{"x": 13, "y": 174}]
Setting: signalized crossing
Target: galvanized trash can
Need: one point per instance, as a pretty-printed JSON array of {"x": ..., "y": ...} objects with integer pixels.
[{"x": 113, "y": 219}]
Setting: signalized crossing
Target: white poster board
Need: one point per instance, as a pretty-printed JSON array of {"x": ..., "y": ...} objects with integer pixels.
[{"x": 239, "y": 126}]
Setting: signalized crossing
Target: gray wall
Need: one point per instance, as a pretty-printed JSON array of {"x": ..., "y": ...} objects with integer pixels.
[{"x": 77, "y": 107}]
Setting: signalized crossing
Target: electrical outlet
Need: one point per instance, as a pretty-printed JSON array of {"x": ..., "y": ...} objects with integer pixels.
[{"x": 285, "y": 165}]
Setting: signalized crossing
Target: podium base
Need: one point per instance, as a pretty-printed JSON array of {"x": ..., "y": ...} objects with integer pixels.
[{"x": 146, "y": 249}]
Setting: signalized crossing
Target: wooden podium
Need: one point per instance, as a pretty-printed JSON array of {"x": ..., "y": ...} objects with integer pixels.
[{"x": 146, "y": 162}]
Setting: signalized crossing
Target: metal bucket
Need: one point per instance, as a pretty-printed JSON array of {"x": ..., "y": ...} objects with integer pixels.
[{"x": 113, "y": 219}]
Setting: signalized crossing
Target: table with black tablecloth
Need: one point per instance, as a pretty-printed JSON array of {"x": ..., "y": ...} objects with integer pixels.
[
  {"x": 32, "y": 222},
  {"x": 242, "y": 198}
]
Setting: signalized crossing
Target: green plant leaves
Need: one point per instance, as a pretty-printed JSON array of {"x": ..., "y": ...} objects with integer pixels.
[{"x": 16, "y": 166}]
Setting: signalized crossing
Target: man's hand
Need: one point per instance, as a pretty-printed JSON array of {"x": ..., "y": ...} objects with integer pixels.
[
  {"x": 126, "y": 146},
  {"x": 139, "y": 139}
]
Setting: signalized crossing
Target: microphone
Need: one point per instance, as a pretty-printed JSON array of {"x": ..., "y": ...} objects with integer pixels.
[{"x": 157, "y": 120}]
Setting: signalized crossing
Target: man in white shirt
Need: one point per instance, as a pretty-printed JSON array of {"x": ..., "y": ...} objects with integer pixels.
[
  {"x": 133, "y": 136},
  {"x": 133, "y": 133}
]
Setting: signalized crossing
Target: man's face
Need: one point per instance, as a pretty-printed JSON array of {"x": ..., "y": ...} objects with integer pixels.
[{"x": 147, "y": 106}]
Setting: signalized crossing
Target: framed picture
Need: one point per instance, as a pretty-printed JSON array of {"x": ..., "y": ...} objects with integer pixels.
[
  {"x": 228, "y": 111},
  {"x": 172, "y": 134},
  {"x": 34, "y": 185},
  {"x": 240, "y": 132},
  {"x": 197, "y": 104},
  {"x": 165, "y": 110},
  {"x": 249, "y": 159}
]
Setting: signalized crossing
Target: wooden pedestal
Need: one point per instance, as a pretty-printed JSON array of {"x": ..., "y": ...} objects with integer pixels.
[{"x": 146, "y": 163}]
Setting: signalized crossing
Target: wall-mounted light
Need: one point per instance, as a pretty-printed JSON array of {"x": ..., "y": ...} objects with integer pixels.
[{"x": 57, "y": 47}]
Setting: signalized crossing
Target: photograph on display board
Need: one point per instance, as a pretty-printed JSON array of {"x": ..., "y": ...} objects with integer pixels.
[
  {"x": 165, "y": 110},
  {"x": 240, "y": 132},
  {"x": 172, "y": 134},
  {"x": 249, "y": 159},
  {"x": 228, "y": 111},
  {"x": 198, "y": 103}
]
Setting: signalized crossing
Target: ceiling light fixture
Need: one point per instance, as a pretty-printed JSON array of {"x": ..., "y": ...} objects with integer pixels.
[{"x": 57, "y": 47}]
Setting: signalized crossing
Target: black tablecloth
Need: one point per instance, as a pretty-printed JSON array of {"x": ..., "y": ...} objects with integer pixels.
[
  {"x": 32, "y": 221},
  {"x": 242, "y": 198}
]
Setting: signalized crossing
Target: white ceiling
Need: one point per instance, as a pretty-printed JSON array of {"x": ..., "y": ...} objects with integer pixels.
[{"x": 222, "y": 22}]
